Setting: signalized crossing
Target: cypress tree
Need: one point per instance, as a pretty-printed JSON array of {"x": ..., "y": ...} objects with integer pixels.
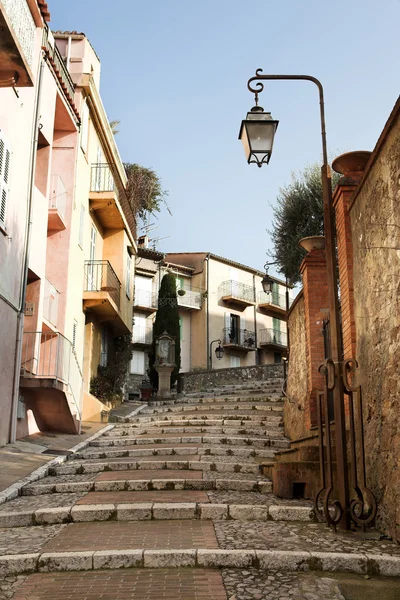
[{"x": 167, "y": 319}]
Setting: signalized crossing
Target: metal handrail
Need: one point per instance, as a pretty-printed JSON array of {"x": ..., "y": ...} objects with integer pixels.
[
  {"x": 101, "y": 178},
  {"x": 239, "y": 337},
  {"x": 145, "y": 298},
  {"x": 273, "y": 298},
  {"x": 142, "y": 335},
  {"x": 236, "y": 289},
  {"x": 59, "y": 63},
  {"x": 99, "y": 276},
  {"x": 191, "y": 297},
  {"x": 272, "y": 336}
]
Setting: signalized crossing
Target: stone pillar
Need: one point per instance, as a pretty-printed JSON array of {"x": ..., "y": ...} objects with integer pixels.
[
  {"x": 164, "y": 381},
  {"x": 315, "y": 286},
  {"x": 351, "y": 165}
]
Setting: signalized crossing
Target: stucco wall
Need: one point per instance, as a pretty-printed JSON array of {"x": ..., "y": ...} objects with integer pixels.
[
  {"x": 375, "y": 221},
  {"x": 197, "y": 381},
  {"x": 293, "y": 411}
]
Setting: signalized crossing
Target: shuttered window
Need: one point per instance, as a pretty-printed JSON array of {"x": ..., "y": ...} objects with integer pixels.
[{"x": 5, "y": 160}]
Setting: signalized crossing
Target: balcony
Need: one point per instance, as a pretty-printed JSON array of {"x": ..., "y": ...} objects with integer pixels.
[
  {"x": 142, "y": 336},
  {"x": 273, "y": 304},
  {"x": 57, "y": 204},
  {"x": 60, "y": 70},
  {"x": 102, "y": 294},
  {"x": 239, "y": 339},
  {"x": 17, "y": 34},
  {"x": 145, "y": 301},
  {"x": 273, "y": 339},
  {"x": 103, "y": 196},
  {"x": 190, "y": 298},
  {"x": 236, "y": 294},
  {"x": 50, "y": 303},
  {"x": 51, "y": 379}
]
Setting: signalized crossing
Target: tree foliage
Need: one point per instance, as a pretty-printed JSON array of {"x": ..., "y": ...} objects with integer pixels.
[
  {"x": 167, "y": 319},
  {"x": 298, "y": 213},
  {"x": 144, "y": 190}
]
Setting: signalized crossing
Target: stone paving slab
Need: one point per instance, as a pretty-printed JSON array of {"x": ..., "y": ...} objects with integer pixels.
[
  {"x": 137, "y": 584},
  {"x": 145, "y": 496},
  {"x": 149, "y": 474},
  {"x": 298, "y": 536},
  {"x": 27, "y": 540},
  {"x": 29, "y": 503},
  {"x": 79, "y": 537}
]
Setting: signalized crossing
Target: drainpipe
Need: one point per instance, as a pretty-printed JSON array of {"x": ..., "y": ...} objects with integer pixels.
[
  {"x": 208, "y": 309},
  {"x": 20, "y": 316},
  {"x": 255, "y": 319}
]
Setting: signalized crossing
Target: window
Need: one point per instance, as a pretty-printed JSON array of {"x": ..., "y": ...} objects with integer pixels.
[
  {"x": 180, "y": 328},
  {"x": 128, "y": 276},
  {"x": 235, "y": 361},
  {"x": 81, "y": 226},
  {"x": 104, "y": 349},
  {"x": 5, "y": 159},
  {"x": 138, "y": 363},
  {"x": 277, "y": 357}
]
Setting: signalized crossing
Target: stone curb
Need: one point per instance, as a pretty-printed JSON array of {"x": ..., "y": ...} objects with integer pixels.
[
  {"x": 140, "y": 485},
  {"x": 136, "y": 411},
  {"x": 363, "y": 563},
  {"x": 88, "y": 467},
  {"x": 81, "y": 513},
  {"x": 192, "y": 438},
  {"x": 13, "y": 491}
]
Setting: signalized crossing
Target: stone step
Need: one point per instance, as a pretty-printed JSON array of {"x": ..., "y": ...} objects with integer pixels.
[
  {"x": 74, "y": 467},
  {"x": 243, "y": 440},
  {"x": 192, "y": 426},
  {"x": 220, "y": 399},
  {"x": 125, "y": 483},
  {"x": 200, "y": 450},
  {"x": 233, "y": 418},
  {"x": 222, "y": 408},
  {"x": 147, "y": 510}
]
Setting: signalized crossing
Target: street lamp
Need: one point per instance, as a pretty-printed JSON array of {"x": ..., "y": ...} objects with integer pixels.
[
  {"x": 266, "y": 282},
  {"x": 219, "y": 351},
  {"x": 257, "y": 135}
]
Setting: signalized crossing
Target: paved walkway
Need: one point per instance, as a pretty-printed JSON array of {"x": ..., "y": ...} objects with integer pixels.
[{"x": 170, "y": 503}]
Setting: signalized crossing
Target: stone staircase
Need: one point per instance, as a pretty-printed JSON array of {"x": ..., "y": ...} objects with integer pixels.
[{"x": 171, "y": 502}]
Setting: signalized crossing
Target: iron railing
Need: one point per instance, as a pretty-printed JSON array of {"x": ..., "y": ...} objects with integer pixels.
[
  {"x": 101, "y": 277},
  {"x": 50, "y": 303},
  {"x": 273, "y": 298},
  {"x": 145, "y": 298},
  {"x": 236, "y": 289},
  {"x": 51, "y": 355},
  {"x": 273, "y": 336},
  {"x": 59, "y": 64},
  {"x": 20, "y": 18},
  {"x": 58, "y": 195},
  {"x": 239, "y": 337},
  {"x": 142, "y": 335},
  {"x": 189, "y": 297},
  {"x": 101, "y": 178}
]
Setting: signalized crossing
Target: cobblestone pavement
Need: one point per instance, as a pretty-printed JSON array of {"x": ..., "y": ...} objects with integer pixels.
[{"x": 165, "y": 537}]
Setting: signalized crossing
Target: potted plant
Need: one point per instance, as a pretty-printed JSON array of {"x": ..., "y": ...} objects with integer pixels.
[
  {"x": 146, "y": 389},
  {"x": 181, "y": 292}
]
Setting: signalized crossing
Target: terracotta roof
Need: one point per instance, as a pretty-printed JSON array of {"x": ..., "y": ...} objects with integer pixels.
[{"x": 44, "y": 9}]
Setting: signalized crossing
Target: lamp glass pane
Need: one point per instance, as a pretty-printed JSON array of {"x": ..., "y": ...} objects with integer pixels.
[
  {"x": 245, "y": 140},
  {"x": 261, "y": 135}
]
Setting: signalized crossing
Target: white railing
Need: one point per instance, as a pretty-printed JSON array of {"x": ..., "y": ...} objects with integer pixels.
[
  {"x": 50, "y": 355},
  {"x": 142, "y": 335},
  {"x": 22, "y": 22},
  {"x": 273, "y": 298},
  {"x": 58, "y": 195},
  {"x": 50, "y": 303},
  {"x": 190, "y": 298}
]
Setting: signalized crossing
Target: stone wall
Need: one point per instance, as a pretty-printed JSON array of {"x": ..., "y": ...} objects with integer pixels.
[
  {"x": 375, "y": 221},
  {"x": 295, "y": 404},
  {"x": 195, "y": 381}
]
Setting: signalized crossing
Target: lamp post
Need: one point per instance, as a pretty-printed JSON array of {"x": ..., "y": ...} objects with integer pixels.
[
  {"x": 257, "y": 135},
  {"x": 219, "y": 351}
]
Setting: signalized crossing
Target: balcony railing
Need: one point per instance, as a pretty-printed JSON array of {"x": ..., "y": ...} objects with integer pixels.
[
  {"x": 58, "y": 195},
  {"x": 101, "y": 178},
  {"x": 101, "y": 277},
  {"x": 59, "y": 65},
  {"x": 21, "y": 20},
  {"x": 239, "y": 337},
  {"x": 50, "y": 303},
  {"x": 273, "y": 336},
  {"x": 190, "y": 297},
  {"x": 274, "y": 299},
  {"x": 145, "y": 299},
  {"x": 142, "y": 335},
  {"x": 235, "y": 289},
  {"x": 50, "y": 355}
]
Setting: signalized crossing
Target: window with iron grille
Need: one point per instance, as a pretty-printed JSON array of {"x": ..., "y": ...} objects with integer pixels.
[{"x": 5, "y": 160}]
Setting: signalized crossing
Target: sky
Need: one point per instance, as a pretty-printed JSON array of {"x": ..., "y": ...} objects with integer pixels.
[{"x": 175, "y": 72}]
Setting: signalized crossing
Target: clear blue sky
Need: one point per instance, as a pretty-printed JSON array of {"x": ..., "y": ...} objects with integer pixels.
[{"x": 174, "y": 72}]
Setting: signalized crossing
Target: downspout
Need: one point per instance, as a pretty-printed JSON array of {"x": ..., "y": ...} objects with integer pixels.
[
  {"x": 20, "y": 316},
  {"x": 208, "y": 310},
  {"x": 255, "y": 319}
]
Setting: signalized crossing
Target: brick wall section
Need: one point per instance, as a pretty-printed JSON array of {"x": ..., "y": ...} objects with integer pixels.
[
  {"x": 315, "y": 285},
  {"x": 341, "y": 200}
]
